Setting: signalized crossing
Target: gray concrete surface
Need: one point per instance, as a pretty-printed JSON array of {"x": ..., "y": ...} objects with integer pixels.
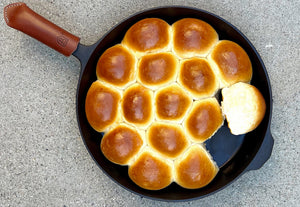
[{"x": 43, "y": 161}]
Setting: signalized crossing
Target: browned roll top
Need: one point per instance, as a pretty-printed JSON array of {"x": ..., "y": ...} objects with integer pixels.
[
  {"x": 116, "y": 66},
  {"x": 137, "y": 105},
  {"x": 197, "y": 76},
  {"x": 193, "y": 37},
  {"x": 204, "y": 119},
  {"x": 120, "y": 144},
  {"x": 150, "y": 172},
  {"x": 231, "y": 63},
  {"x": 167, "y": 139},
  {"x": 195, "y": 169},
  {"x": 157, "y": 69},
  {"x": 172, "y": 103},
  {"x": 148, "y": 35},
  {"x": 101, "y": 106}
]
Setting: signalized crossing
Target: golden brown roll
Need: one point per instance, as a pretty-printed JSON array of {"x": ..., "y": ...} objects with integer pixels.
[
  {"x": 197, "y": 76},
  {"x": 204, "y": 119},
  {"x": 172, "y": 103},
  {"x": 150, "y": 171},
  {"x": 155, "y": 70},
  {"x": 231, "y": 63},
  {"x": 243, "y": 106},
  {"x": 101, "y": 106},
  {"x": 167, "y": 139},
  {"x": 148, "y": 35},
  {"x": 121, "y": 144},
  {"x": 193, "y": 37},
  {"x": 116, "y": 66},
  {"x": 137, "y": 105},
  {"x": 195, "y": 169}
]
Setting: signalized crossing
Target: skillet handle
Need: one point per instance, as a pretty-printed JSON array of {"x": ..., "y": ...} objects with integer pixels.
[
  {"x": 263, "y": 153},
  {"x": 21, "y": 17}
]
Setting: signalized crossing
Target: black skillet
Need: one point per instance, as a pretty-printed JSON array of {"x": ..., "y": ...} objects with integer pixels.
[{"x": 234, "y": 155}]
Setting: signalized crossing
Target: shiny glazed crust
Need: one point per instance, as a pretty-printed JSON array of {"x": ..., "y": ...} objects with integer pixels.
[
  {"x": 157, "y": 69},
  {"x": 204, "y": 120},
  {"x": 148, "y": 35},
  {"x": 116, "y": 66},
  {"x": 172, "y": 103},
  {"x": 195, "y": 169},
  {"x": 137, "y": 106},
  {"x": 193, "y": 38},
  {"x": 231, "y": 63},
  {"x": 101, "y": 106},
  {"x": 167, "y": 139},
  {"x": 151, "y": 172},
  {"x": 198, "y": 78},
  {"x": 121, "y": 143}
]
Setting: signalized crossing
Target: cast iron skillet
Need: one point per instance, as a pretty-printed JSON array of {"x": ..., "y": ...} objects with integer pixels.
[{"x": 234, "y": 155}]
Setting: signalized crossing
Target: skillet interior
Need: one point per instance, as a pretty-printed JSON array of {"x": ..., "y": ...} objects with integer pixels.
[{"x": 232, "y": 153}]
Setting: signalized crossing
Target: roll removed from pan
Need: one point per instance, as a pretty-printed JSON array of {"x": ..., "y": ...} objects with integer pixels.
[{"x": 243, "y": 106}]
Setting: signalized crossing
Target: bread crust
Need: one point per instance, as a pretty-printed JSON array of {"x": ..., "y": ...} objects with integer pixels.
[
  {"x": 101, "y": 106},
  {"x": 150, "y": 171},
  {"x": 231, "y": 63},
  {"x": 137, "y": 105},
  {"x": 167, "y": 139},
  {"x": 198, "y": 78},
  {"x": 156, "y": 70},
  {"x": 116, "y": 66},
  {"x": 195, "y": 169},
  {"x": 121, "y": 143},
  {"x": 172, "y": 103},
  {"x": 148, "y": 35},
  {"x": 204, "y": 119},
  {"x": 193, "y": 37}
]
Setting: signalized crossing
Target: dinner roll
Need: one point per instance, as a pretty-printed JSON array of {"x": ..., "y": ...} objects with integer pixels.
[
  {"x": 204, "y": 119},
  {"x": 231, "y": 63},
  {"x": 195, "y": 169},
  {"x": 121, "y": 144},
  {"x": 198, "y": 78},
  {"x": 172, "y": 103},
  {"x": 243, "y": 106},
  {"x": 101, "y": 106},
  {"x": 156, "y": 70},
  {"x": 148, "y": 35},
  {"x": 137, "y": 105},
  {"x": 116, "y": 66},
  {"x": 151, "y": 171},
  {"x": 193, "y": 37},
  {"x": 167, "y": 139}
]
